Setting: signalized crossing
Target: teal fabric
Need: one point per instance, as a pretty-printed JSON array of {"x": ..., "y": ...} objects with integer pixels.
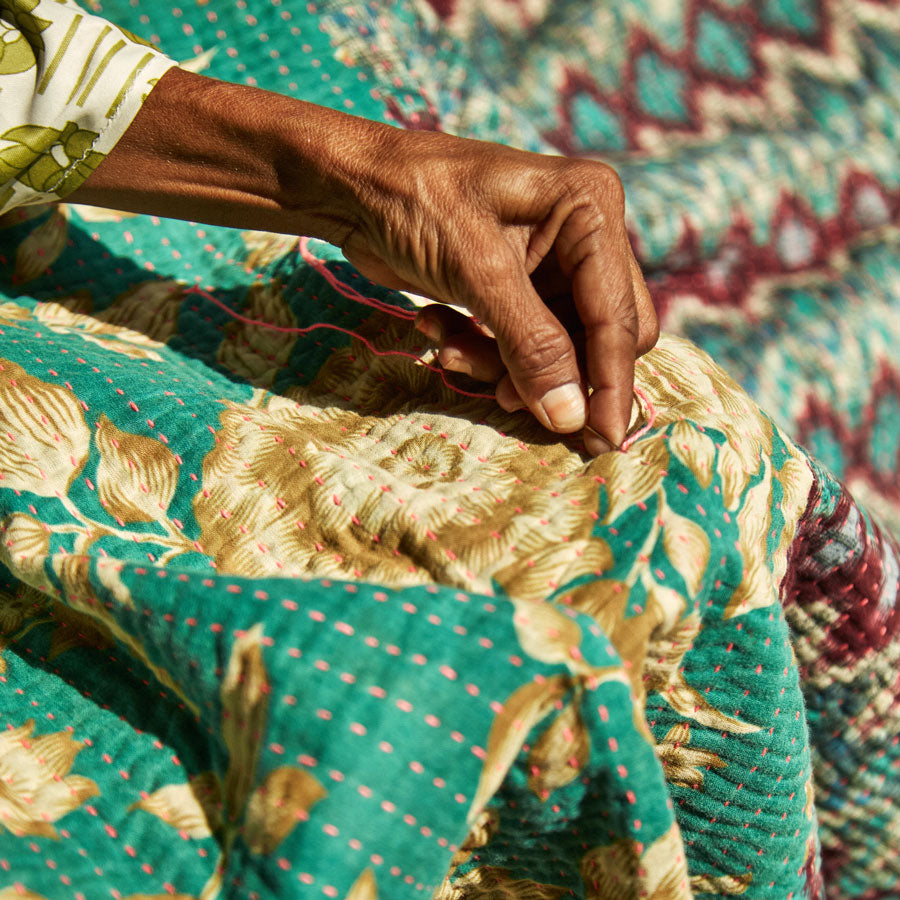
[{"x": 668, "y": 672}]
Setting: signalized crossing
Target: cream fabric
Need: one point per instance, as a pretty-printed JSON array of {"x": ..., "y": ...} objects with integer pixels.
[{"x": 70, "y": 85}]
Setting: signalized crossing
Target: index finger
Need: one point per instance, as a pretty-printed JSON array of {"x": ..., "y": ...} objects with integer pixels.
[{"x": 603, "y": 293}]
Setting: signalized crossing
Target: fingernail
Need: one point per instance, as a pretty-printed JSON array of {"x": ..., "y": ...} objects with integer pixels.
[
  {"x": 564, "y": 407},
  {"x": 594, "y": 443},
  {"x": 429, "y": 328},
  {"x": 455, "y": 363}
]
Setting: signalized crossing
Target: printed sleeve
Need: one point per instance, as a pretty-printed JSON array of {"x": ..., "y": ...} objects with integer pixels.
[{"x": 70, "y": 85}]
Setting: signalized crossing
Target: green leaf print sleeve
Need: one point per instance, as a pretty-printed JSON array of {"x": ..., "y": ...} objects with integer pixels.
[{"x": 70, "y": 85}]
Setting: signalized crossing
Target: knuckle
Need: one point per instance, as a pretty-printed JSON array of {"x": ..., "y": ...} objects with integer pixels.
[
  {"x": 611, "y": 187},
  {"x": 546, "y": 352},
  {"x": 591, "y": 181}
]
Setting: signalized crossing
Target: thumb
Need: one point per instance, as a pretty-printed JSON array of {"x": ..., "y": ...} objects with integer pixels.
[{"x": 535, "y": 348}]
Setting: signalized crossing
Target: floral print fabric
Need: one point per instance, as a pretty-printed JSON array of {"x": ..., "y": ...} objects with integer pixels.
[
  {"x": 71, "y": 84},
  {"x": 285, "y": 614}
]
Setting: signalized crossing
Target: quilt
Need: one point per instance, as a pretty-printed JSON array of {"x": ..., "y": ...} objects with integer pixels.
[{"x": 288, "y": 611}]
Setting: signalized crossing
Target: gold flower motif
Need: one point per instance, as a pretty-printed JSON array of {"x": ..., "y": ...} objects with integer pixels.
[
  {"x": 11, "y": 314},
  {"x": 150, "y": 308},
  {"x": 662, "y": 673},
  {"x": 683, "y": 764},
  {"x": 44, "y": 441},
  {"x": 627, "y": 869},
  {"x": 683, "y": 383},
  {"x": 25, "y": 545},
  {"x": 453, "y": 503},
  {"x": 722, "y": 885},
  {"x": 17, "y": 608},
  {"x": 136, "y": 475},
  {"x": 264, "y": 247},
  {"x": 42, "y": 247},
  {"x": 36, "y": 788},
  {"x": 492, "y": 883},
  {"x": 66, "y": 318},
  {"x": 256, "y": 352}
]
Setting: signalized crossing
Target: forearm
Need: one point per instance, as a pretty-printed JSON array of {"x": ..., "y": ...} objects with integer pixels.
[{"x": 227, "y": 154}]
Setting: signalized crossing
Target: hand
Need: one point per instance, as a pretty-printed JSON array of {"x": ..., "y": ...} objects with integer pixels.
[{"x": 535, "y": 247}]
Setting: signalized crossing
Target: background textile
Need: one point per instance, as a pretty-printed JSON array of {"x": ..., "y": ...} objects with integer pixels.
[{"x": 289, "y": 614}]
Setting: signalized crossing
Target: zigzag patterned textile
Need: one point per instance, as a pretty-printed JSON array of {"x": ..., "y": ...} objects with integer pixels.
[{"x": 286, "y": 615}]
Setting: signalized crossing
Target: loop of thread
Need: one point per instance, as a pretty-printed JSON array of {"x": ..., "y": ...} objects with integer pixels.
[{"x": 346, "y": 290}]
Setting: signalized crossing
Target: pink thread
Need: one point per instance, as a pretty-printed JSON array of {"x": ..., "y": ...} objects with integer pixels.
[
  {"x": 288, "y": 330},
  {"x": 345, "y": 290},
  {"x": 651, "y": 418}
]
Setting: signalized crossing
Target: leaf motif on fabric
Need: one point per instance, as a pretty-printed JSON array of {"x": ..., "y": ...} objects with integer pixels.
[
  {"x": 809, "y": 807},
  {"x": 662, "y": 674},
  {"x": 12, "y": 314},
  {"x": 695, "y": 450},
  {"x": 722, "y": 885},
  {"x": 524, "y": 708},
  {"x": 150, "y": 308},
  {"x": 683, "y": 764},
  {"x": 758, "y": 588},
  {"x": 364, "y": 888},
  {"x": 42, "y": 247},
  {"x": 165, "y": 896},
  {"x": 632, "y": 477},
  {"x": 22, "y": 15},
  {"x": 25, "y": 545},
  {"x": 687, "y": 546},
  {"x": 98, "y": 214},
  {"x": 560, "y": 753},
  {"x": 17, "y": 892},
  {"x": 76, "y": 629},
  {"x": 257, "y": 352},
  {"x": 38, "y": 787},
  {"x": 493, "y": 883},
  {"x": 534, "y": 577},
  {"x": 605, "y": 600},
  {"x": 44, "y": 441},
  {"x": 796, "y": 480},
  {"x": 668, "y": 604},
  {"x": 264, "y": 247},
  {"x": 199, "y": 63},
  {"x": 18, "y": 607},
  {"x": 74, "y": 316},
  {"x": 546, "y": 633},
  {"x": 284, "y": 796},
  {"x": 136, "y": 475},
  {"x": 193, "y": 807},
  {"x": 16, "y": 53},
  {"x": 626, "y": 868},
  {"x": 733, "y": 474},
  {"x": 245, "y": 704},
  {"x": 482, "y": 830},
  {"x": 26, "y": 143}
]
